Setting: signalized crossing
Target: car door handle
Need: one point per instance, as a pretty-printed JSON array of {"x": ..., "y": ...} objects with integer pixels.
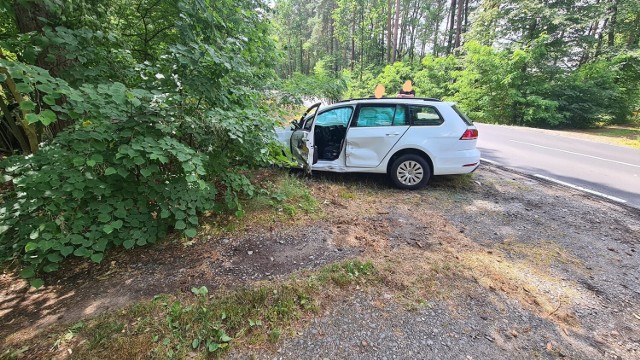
[{"x": 393, "y": 134}]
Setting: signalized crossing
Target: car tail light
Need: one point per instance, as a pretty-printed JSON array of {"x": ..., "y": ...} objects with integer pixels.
[{"x": 470, "y": 134}]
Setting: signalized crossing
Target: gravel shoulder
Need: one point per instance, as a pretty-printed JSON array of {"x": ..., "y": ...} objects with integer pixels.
[{"x": 493, "y": 265}]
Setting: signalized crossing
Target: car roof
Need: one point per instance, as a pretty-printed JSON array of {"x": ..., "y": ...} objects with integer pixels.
[
  {"x": 388, "y": 100},
  {"x": 391, "y": 99}
]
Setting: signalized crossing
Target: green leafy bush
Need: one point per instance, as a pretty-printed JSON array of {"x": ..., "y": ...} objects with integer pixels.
[{"x": 129, "y": 162}]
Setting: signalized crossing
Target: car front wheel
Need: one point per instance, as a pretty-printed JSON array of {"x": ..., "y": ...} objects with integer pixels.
[{"x": 410, "y": 172}]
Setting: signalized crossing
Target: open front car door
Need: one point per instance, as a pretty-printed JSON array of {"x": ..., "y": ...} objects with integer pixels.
[{"x": 302, "y": 145}]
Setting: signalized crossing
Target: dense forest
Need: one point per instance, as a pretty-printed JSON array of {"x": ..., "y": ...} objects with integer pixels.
[
  {"x": 123, "y": 120},
  {"x": 527, "y": 62}
]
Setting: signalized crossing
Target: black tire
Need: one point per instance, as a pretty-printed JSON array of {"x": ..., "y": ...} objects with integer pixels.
[{"x": 410, "y": 172}]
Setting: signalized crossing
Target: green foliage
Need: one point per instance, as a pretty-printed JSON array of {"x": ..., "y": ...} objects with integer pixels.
[
  {"x": 393, "y": 77},
  {"x": 322, "y": 84},
  {"x": 102, "y": 184},
  {"x": 131, "y": 160},
  {"x": 360, "y": 84},
  {"x": 435, "y": 77}
]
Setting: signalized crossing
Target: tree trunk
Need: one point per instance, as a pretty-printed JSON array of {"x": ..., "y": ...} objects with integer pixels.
[
  {"x": 29, "y": 17},
  {"x": 301, "y": 57},
  {"x": 13, "y": 127},
  {"x": 353, "y": 45},
  {"x": 632, "y": 40},
  {"x": 612, "y": 23},
  {"x": 451, "y": 24},
  {"x": 466, "y": 16},
  {"x": 395, "y": 32},
  {"x": 388, "y": 45},
  {"x": 29, "y": 129},
  {"x": 436, "y": 31},
  {"x": 600, "y": 36},
  {"x": 458, "y": 25}
]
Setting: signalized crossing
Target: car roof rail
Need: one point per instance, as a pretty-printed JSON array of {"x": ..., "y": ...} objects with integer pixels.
[{"x": 391, "y": 98}]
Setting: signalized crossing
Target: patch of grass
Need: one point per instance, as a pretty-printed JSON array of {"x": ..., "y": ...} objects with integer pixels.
[
  {"x": 626, "y": 136},
  {"x": 197, "y": 325},
  {"x": 541, "y": 254},
  {"x": 285, "y": 192},
  {"x": 281, "y": 197},
  {"x": 453, "y": 182},
  {"x": 347, "y": 195}
]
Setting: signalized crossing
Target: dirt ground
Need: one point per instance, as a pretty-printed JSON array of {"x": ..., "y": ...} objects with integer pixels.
[{"x": 495, "y": 265}]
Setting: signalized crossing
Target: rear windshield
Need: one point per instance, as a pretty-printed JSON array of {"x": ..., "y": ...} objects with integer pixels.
[{"x": 464, "y": 117}]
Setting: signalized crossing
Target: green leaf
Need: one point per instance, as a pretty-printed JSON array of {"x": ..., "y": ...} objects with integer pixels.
[
  {"x": 195, "y": 343},
  {"x": 110, "y": 171},
  {"x": 76, "y": 239},
  {"x": 32, "y": 118},
  {"x": 91, "y": 162},
  {"x": 24, "y": 88},
  {"x": 97, "y": 257},
  {"x": 138, "y": 160},
  {"x": 117, "y": 224},
  {"x": 47, "y": 117},
  {"x": 54, "y": 258},
  {"x": 120, "y": 213},
  {"x": 27, "y": 105},
  {"x": 65, "y": 251},
  {"x": 164, "y": 214},
  {"x": 97, "y": 158},
  {"x": 30, "y": 246},
  {"x": 36, "y": 283},
  {"x": 213, "y": 347},
  {"x": 146, "y": 172},
  {"x": 180, "y": 225},
  {"x": 191, "y": 232},
  {"x": 108, "y": 229},
  {"x": 81, "y": 252},
  {"x": 225, "y": 338},
  {"x": 100, "y": 245},
  {"x": 49, "y": 100},
  {"x": 104, "y": 217},
  {"x": 27, "y": 273},
  {"x": 45, "y": 88},
  {"x": 128, "y": 244},
  {"x": 50, "y": 268}
]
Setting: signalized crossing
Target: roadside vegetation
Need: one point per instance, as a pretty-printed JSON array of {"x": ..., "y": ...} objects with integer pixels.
[
  {"x": 620, "y": 135},
  {"x": 202, "y": 323}
]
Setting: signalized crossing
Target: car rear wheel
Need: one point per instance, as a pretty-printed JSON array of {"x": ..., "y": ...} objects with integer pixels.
[{"x": 410, "y": 172}]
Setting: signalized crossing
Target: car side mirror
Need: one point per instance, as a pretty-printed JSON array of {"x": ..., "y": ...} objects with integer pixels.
[{"x": 294, "y": 125}]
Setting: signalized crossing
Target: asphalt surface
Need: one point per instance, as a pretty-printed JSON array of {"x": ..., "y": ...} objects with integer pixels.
[{"x": 606, "y": 170}]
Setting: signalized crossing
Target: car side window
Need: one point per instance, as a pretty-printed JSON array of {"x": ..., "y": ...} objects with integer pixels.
[
  {"x": 333, "y": 117},
  {"x": 370, "y": 116},
  {"x": 425, "y": 116},
  {"x": 400, "y": 118}
]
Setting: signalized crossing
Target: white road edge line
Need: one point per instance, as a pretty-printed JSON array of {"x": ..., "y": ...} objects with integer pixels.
[
  {"x": 575, "y": 153},
  {"x": 580, "y": 188},
  {"x": 489, "y": 161}
]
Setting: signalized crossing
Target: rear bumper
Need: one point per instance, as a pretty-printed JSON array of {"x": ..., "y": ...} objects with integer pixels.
[{"x": 459, "y": 162}]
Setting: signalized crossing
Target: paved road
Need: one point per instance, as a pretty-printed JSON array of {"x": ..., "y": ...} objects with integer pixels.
[{"x": 610, "y": 170}]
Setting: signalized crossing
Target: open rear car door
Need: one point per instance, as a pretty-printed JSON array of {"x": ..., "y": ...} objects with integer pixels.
[{"x": 302, "y": 145}]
